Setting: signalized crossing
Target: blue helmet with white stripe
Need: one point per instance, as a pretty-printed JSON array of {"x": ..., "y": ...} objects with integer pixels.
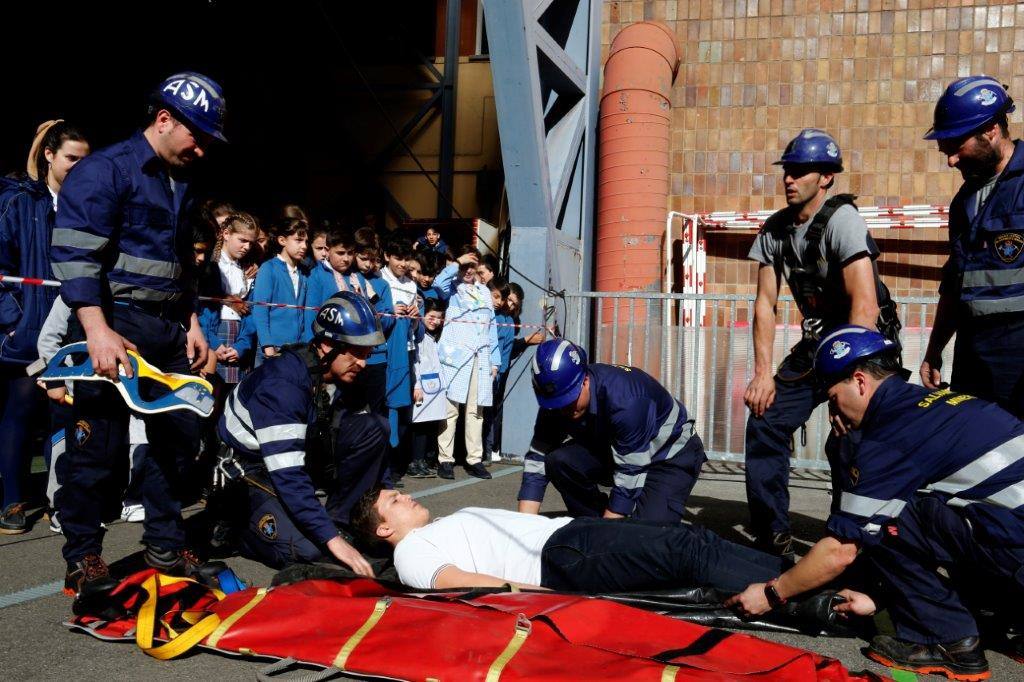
[
  {"x": 559, "y": 369},
  {"x": 841, "y": 350},
  {"x": 196, "y": 98},
  {"x": 813, "y": 147},
  {"x": 346, "y": 317},
  {"x": 968, "y": 104}
]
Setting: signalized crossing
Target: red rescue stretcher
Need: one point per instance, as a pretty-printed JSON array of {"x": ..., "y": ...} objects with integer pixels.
[{"x": 363, "y": 628}]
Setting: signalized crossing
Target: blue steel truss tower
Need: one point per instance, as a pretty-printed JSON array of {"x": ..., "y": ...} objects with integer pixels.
[{"x": 545, "y": 59}]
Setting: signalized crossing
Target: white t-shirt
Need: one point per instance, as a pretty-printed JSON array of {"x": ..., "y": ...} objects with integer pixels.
[
  {"x": 234, "y": 283},
  {"x": 496, "y": 542}
]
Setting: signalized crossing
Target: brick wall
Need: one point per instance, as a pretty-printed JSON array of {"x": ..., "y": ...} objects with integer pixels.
[{"x": 755, "y": 72}]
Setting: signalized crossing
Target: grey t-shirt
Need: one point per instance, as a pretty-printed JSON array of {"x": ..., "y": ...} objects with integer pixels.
[{"x": 844, "y": 238}]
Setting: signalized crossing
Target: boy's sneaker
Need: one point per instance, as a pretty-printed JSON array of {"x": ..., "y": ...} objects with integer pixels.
[
  {"x": 446, "y": 470},
  {"x": 55, "y": 522},
  {"x": 478, "y": 471},
  {"x": 12, "y": 519},
  {"x": 184, "y": 564},
  {"x": 133, "y": 513},
  {"x": 960, "y": 660},
  {"x": 418, "y": 469},
  {"x": 88, "y": 578}
]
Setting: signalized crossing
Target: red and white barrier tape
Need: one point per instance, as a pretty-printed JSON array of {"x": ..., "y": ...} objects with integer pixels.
[{"x": 33, "y": 281}]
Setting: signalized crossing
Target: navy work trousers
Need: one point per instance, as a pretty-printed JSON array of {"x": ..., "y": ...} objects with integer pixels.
[
  {"x": 271, "y": 536},
  {"x": 988, "y": 361},
  {"x": 768, "y": 450},
  {"x": 576, "y": 472},
  {"x": 20, "y": 402},
  {"x": 96, "y": 434},
  {"x": 603, "y": 555},
  {"x": 926, "y": 607}
]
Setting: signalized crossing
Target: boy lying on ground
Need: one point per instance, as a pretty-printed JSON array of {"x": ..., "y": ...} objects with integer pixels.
[{"x": 479, "y": 547}]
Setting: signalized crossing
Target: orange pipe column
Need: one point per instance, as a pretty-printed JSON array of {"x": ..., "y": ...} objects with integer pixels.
[{"x": 633, "y": 160}]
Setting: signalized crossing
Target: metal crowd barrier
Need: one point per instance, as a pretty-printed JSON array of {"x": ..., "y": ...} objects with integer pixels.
[{"x": 704, "y": 355}]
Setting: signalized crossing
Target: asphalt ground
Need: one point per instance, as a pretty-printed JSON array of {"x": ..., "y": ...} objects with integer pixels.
[{"x": 35, "y": 646}]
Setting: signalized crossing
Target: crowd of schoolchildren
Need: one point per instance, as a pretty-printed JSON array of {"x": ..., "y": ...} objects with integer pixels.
[{"x": 450, "y": 322}]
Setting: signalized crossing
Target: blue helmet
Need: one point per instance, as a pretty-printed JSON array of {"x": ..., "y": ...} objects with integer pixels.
[
  {"x": 966, "y": 105},
  {"x": 844, "y": 347},
  {"x": 195, "y": 98},
  {"x": 813, "y": 147},
  {"x": 558, "y": 372},
  {"x": 347, "y": 317}
]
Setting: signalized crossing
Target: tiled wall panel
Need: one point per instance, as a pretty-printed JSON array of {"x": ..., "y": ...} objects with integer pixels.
[{"x": 754, "y": 72}]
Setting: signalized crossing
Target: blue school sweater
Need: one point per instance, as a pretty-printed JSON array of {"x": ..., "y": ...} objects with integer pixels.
[{"x": 279, "y": 326}]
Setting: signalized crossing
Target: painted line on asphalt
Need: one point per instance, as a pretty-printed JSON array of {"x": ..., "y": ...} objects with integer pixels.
[
  {"x": 31, "y": 594},
  {"x": 462, "y": 484},
  {"x": 50, "y": 589}
]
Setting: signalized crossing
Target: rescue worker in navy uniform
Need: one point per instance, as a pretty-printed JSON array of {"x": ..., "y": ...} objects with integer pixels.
[
  {"x": 273, "y": 421},
  {"x": 610, "y": 425},
  {"x": 821, "y": 246},
  {"x": 122, "y": 251},
  {"x": 981, "y": 297},
  {"x": 936, "y": 480}
]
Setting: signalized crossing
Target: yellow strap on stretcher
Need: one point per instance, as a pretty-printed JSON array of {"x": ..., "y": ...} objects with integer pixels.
[
  {"x": 179, "y": 643},
  {"x": 669, "y": 673},
  {"x": 235, "y": 617},
  {"x": 378, "y": 612},
  {"x": 523, "y": 628}
]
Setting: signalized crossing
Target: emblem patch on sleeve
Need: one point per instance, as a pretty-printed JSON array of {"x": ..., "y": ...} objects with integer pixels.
[
  {"x": 1008, "y": 246},
  {"x": 268, "y": 527},
  {"x": 82, "y": 432}
]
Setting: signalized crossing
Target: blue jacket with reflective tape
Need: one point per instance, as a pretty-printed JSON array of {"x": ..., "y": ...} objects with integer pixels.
[
  {"x": 967, "y": 451},
  {"x": 120, "y": 229},
  {"x": 986, "y": 263},
  {"x": 265, "y": 419},
  {"x": 631, "y": 419},
  {"x": 26, "y": 223}
]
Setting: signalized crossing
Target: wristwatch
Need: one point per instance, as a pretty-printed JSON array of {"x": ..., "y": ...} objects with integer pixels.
[{"x": 772, "y": 595}]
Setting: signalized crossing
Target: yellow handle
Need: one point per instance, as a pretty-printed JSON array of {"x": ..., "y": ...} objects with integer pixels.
[{"x": 172, "y": 381}]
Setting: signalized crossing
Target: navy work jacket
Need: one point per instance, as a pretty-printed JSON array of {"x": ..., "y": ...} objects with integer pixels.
[
  {"x": 121, "y": 231},
  {"x": 986, "y": 263},
  {"x": 965, "y": 450}
]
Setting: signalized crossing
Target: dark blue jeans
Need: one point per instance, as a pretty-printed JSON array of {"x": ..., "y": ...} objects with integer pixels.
[{"x": 602, "y": 555}]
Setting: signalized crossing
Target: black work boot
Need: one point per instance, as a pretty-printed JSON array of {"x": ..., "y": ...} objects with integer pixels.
[
  {"x": 184, "y": 564},
  {"x": 963, "y": 659},
  {"x": 90, "y": 583},
  {"x": 88, "y": 577},
  {"x": 12, "y": 519}
]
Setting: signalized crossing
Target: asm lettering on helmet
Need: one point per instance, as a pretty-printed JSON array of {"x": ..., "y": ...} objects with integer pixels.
[
  {"x": 330, "y": 315},
  {"x": 190, "y": 91}
]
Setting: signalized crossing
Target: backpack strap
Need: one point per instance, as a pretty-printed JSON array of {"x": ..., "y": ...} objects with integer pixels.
[{"x": 820, "y": 221}]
